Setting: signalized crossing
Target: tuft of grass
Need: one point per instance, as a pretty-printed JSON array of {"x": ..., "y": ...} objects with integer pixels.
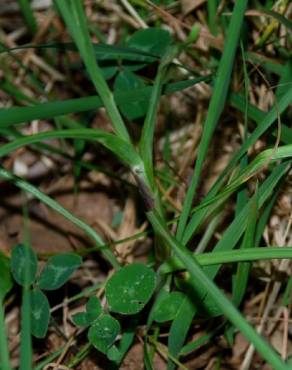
[{"x": 186, "y": 278}]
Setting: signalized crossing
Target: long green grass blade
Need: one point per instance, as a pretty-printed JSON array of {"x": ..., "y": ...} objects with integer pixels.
[
  {"x": 236, "y": 229},
  {"x": 264, "y": 125},
  {"x": 118, "y": 146},
  {"x": 15, "y": 115},
  {"x": 28, "y": 15},
  {"x": 4, "y": 351},
  {"x": 262, "y": 160},
  {"x": 269, "y": 119},
  {"x": 179, "y": 329},
  {"x": 73, "y": 14},
  {"x": 146, "y": 141},
  {"x": 25, "y": 334},
  {"x": 239, "y": 255},
  {"x": 240, "y": 280},
  {"x": 215, "y": 108},
  {"x": 102, "y": 51},
  {"x": 199, "y": 278},
  {"x": 24, "y": 185}
]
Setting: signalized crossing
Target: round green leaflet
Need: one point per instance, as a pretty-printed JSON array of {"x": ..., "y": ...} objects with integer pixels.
[
  {"x": 130, "y": 288},
  {"x": 103, "y": 332},
  {"x": 128, "y": 81},
  {"x": 168, "y": 307},
  {"x": 23, "y": 264},
  {"x": 93, "y": 311},
  {"x": 93, "y": 308},
  {"x": 152, "y": 40},
  {"x": 40, "y": 313},
  {"x": 58, "y": 270}
]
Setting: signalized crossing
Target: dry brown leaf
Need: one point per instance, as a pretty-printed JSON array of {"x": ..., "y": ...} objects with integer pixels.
[{"x": 190, "y": 5}]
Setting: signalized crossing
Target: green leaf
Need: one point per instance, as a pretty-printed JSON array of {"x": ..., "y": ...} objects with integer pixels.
[
  {"x": 179, "y": 328},
  {"x": 74, "y": 16},
  {"x": 108, "y": 70},
  {"x": 58, "y": 270},
  {"x": 200, "y": 279},
  {"x": 130, "y": 288},
  {"x": 28, "y": 187},
  {"x": 152, "y": 40},
  {"x": 216, "y": 107},
  {"x": 103, "y": 52},
  {"x": 93, "y": 308},
  {"x": 93, "y": 311},
  {"x": 147, "y": 134},
  {"x": 16, "y": 115},
  {"x": 113, "y": 354},
  {"x": 80, "y": 319},
  {"x": 168, "y": 307},
  {"x": 103, "y": 332},
  {"x": 28, "y": 15},
  {"x": 40, "y": 313},
  {"x": 6, "y": 280},
  {"x": 21, "y": 257},
  {"x": 240, "y": 279},
  {"x": 128, "y": 81}
]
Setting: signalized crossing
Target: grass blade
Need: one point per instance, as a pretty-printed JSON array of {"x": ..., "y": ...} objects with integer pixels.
[
  {"x": 73, "y": 14},
  {"x": 22, "y": 184},
  {"x": 262, "y": 160},
  {"x": 4, "y": 351},
  {"x": 233, "y": 233},
  {"x": 239, "y": 255},
  {"x": 102, "y": 51},
  {"x": 215, "y": 108},
  {"x": 118, "y": 146},
  {"x": 199, "y": 278},
  {"x": 179, "y": 329},
  {"x": 239, "y": 282},
  {"x": 16, "y": 115},
  {"x": 146, "y": 141},
  {"x": 28, "y": 15}
]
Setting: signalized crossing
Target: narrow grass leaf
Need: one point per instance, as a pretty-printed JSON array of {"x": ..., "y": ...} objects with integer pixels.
[
  {"x": 262, "y": 160},
  {"x": 5, "y": 287},
  {"x": 239, "y": 282},
  {"x": 264, "y": 125},
  {"x": 230, "y": 238},
  {"x": 74, "y": 16},
  {"x": 179, "y": 329},
  {"x": 215, "y": 108},
  {"x": 25, "y": 333},
  {"x": 6, "y": 278},
  {"x": 22, "y": 184},
  {"x": 239, "y": 255},
  {"x": 118, "y": 146},
  {"x": 146, "y": 140},
  {"x": 4, "y": 350},
  {"x": 235, "y": 230},
  {"x": 17, "y": 115},
  {"x": 28, "y": 15},
  {"x": 103, "y": 52},
  {"x": 199, "y": 277},
  {"x": 197, "y": 217}
]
